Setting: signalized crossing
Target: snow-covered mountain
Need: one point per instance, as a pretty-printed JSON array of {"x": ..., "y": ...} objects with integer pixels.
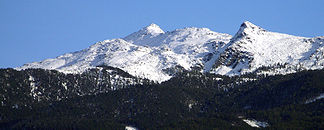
[
  {"x": 148, "y": 53},
  {"x": 153, "y": 53},
  {"x": 253, "y": 47}
]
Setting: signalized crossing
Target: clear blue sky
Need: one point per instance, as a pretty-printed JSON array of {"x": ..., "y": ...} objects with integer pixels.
[{"x": 34, "y": 30}]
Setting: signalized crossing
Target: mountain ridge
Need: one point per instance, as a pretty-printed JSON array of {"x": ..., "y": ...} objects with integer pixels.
[
  {"x": 149, "y": 52},
  {"x": 253, "y": 47}
]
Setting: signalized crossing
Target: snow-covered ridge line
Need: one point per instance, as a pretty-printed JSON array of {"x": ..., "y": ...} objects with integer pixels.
[{"x": 153, "y": 53}]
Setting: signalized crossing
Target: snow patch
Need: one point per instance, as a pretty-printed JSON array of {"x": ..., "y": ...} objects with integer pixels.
[
  {"x": 255, "y": 123},
  {"x": 64, "y": 85},
  {"x": 130, "y": 128},
  {"x": 223, "y": 70},
  {"x": 314, "y": 99}
]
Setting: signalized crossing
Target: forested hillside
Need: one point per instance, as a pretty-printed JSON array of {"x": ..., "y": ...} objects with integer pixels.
[{"x": 189, "y": 100}]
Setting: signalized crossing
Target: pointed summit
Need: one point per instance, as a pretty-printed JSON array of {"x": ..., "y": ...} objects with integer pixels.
[
  {"x": 248, "y": 24},
  {"x": 152, "y": 29},
  {"x": 248, "y": 28},
  {"x": 144, "y": 35}
]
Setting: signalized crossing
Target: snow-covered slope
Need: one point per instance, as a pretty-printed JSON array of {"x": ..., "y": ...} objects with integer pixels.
[
  {"x": 148, "y": 53},
  {"x": 253, "y": 47},
  {"x": 153, "y": 53}
]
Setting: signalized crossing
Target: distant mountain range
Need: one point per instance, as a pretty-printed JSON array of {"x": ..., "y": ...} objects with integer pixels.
[
  {"x": 191, "y": 78},
  {"x": 154, "y": 54}
]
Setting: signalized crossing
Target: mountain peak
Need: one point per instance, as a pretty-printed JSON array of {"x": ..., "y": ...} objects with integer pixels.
[
  {"x": 153, "y": 25},
  {"x": 247, "y": 28},
  {"x": 147, "y": 32},
  {"x": 153, "y": 29},
  {"x": 247, "y": 24}
]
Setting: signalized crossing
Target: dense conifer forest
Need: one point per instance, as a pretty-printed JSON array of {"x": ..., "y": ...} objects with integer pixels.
[{"x": 108, "y": 98}]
